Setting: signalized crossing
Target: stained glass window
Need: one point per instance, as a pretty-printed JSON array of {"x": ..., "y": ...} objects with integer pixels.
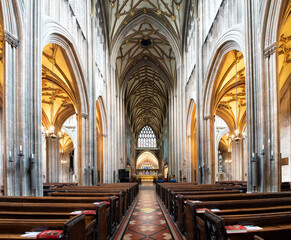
[{"x": 147, "y": 138}]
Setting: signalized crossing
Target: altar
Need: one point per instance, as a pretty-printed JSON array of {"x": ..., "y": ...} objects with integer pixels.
[{"x": 147, "y": 175}]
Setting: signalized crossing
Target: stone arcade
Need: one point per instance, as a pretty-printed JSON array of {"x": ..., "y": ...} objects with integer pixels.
[{"x": 87, "y": 87}]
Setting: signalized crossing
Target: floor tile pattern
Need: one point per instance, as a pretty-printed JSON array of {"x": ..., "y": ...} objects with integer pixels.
[{"x": 147, "y": 220}]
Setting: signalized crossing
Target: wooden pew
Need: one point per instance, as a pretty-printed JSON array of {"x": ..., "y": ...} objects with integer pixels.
[
  {"x": 120, "y": 205},
  {"x": 90, "y": 220},
  {"x": 174, "y": 207},
  {"x": 181, "y": 200},
  {"x": 276, "y": 225},
  {"x": 101, "y": 216},
  {"x": 123, "y": 199},
  {"x": 74, "y": 228},
  {"x": 194, "y": 222},
  {"x": 111, "y": 204}
]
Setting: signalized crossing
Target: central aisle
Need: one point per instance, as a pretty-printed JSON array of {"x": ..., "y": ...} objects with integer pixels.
[{"x": 148, "y": 219}]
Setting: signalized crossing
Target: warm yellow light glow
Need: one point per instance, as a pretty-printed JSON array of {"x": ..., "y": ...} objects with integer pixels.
[
  {"x": 147, "y": 157},
  {"x": 236, "y": 132},
  {"x": 52, "y": 129}
]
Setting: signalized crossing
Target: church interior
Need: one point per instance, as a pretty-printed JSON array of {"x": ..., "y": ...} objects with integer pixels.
[{"x": 145, "y": 119}]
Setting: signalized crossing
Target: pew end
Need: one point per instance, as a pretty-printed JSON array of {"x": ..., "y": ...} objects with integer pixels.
[
  {"x": 214, "y": 226},
  {"x": 74, "y": 228}
]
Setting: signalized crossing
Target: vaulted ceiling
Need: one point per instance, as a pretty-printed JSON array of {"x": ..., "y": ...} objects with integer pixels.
[
  {"x": 285, "y": 52},
  {"x": 169, "y": 12},
  {"x": 146, "y": 99},
  {"x": 58, "y": 93},
  {"x": 230, "y": 94},
  {"x": 148, "y": 87}
]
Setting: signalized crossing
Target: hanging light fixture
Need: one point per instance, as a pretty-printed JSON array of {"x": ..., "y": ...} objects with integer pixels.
[{"x": 237, "y": 135}]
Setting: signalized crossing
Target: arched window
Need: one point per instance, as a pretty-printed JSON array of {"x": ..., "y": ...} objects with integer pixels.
[{"x": 147, "y": 138}]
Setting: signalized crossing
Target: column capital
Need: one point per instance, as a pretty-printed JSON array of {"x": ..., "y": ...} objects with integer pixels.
[
  {"x": 268, "y": 51},
  {"x": 12, "y": 40}
]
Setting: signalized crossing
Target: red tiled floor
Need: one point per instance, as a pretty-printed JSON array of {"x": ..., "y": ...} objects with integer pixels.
[{"x": 147, "y": 220}]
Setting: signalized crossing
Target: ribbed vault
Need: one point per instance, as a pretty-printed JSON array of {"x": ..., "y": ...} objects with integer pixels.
[
  {"x": 146, "y": 99},
  {"x": 146, "y": 42},
  {"x": 58, "y": 92},
  {"x": 146, "y": 89},
  {"x": 230, "y": 94},
  {"x": 120, "y": 13}
]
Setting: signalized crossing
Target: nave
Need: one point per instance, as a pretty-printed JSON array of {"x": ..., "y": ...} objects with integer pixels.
[{"x": 148, "y": 219}]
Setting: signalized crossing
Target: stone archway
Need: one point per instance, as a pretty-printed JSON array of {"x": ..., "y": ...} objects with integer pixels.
[
  {"x": 59, "y": 102},
  {"x": 225, "y": 96},
  {"x": 100, "y": 142},
  {"x": 284, "y": 92},
  {"x": 192, "y": 141}
]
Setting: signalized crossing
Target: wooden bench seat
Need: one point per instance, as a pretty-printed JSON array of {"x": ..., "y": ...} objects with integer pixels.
[
  {"x": 181, "y": 200},
  {"x": 274, "y": 225},
  {"x": 194, "y": 222},
  {"x": 74, "y": 228},
  {"x": 102, "y": 227}
]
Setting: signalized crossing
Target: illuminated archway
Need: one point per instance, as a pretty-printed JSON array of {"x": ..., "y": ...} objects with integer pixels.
[
  {"x": 284, "y": 91},
  {"x": 99, "y": 127},
  {"x": 1, "y": 102},
  {"x": 59, "y": 103},
  {"x": 147, "y": 159},
  {"x": 229, "y": 104},
  {"x": 192, "y": 140}
]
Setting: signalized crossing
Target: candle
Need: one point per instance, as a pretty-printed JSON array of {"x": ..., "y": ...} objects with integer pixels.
[
  {"x": 10, "y": 154},
  {"x": 20, "y": 148},
  {"x": 272, "y": 153},
  {"x": 253, "y": 155},
  {"x": 32, "y": 155},
  {"x": 263, "y": 147}
]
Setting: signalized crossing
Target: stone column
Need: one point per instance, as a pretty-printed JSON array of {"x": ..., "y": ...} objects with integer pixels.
[
  {"x": 208, "y": 168},
  {"x": 272, "y": 155},
  {"x": 12, "y": 178},
  {"x": 237, "y": 159},
  {"x": 171, "y": 138},
  {"x": 53, "y": 162}
]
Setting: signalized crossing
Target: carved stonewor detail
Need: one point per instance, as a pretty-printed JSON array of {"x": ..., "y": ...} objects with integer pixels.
[
  {"x": 284, "y": 48},
  {"x": 12, "y": 40}
]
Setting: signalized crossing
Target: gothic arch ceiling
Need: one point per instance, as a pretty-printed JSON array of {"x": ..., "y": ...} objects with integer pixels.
[
  {"x": 232, "y": 111},
  {"x": 121, "y": 12},
  {"x": 57, "y": 81},
  {"x": 145, "y": 41},
  {"x": 146, "y": 99},
  {"x": 146, "y": 93},
  {"x": 285, "y": 50},
  {"x": 66, "y": 144}
]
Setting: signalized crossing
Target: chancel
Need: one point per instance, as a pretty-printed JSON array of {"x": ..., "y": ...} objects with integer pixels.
[{"x": 145, "y": 119}]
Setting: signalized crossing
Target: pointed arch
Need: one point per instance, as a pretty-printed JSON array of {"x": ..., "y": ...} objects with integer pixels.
[
  {"x": 147, "y": 156},
  {"x": 191, "y": 131}
]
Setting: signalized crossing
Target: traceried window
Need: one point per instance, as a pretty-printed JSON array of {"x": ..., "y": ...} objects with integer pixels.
[{"x": 147, "y": 138}]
